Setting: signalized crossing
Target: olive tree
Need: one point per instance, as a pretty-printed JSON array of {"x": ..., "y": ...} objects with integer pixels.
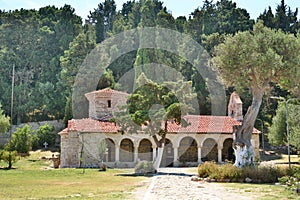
[{"x": 252, "y": 60}]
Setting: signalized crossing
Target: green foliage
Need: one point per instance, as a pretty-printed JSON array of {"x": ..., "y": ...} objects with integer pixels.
[
  {"x": 21, "y": 140},
  {"x": 152, "y": 103},
  {"x": 103, "y": 17},
  {"x": 277, "y": 131},
  {"x": 292, "y": 180},
  {"x": 33, "y": 40},
  {"x": 284, "y": 18},
  {"x": 107, "y": 80},
  {"x": 221, "y": 17},
  {"x": 6, "y": 156},
  {"x": 43, "y": 134},
  {"x": 144, "y": 167},
  {"x": 261, "y": 63},
  {"x": 261, "y": 174},
  {"x": 4, "y": 121},
  {"x": 49, "y": 45}
]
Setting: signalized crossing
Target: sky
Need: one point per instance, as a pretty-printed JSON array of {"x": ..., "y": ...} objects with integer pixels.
[{"x": 177, "y": 7}]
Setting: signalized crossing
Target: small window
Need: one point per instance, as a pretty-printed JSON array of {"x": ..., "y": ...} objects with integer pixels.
[{"x": 109, "y": 103}]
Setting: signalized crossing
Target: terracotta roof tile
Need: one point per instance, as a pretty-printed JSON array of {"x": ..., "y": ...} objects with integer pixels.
[
  {"x": 91, "y": 125},
  {"x": 206, "y": 124},
  {"x": 198, "y": 124},
  {"x": 107, "y": 92}
]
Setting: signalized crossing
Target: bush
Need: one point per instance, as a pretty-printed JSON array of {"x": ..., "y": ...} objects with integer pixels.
[
  {"x": 206, "y": 169},
  {"x": 271, "y": 174},
  {"x": 144, "y": 167},
  {"x": 292, "y": 180},
  {"x": 21, "y": 140},
  {"x": 4, "y": 155},
  {"x": 262, "y": 174},
  {"x": 42, "y": 135}
]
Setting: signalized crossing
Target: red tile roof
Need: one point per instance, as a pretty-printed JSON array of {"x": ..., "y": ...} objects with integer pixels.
[
  {"x": 107, "y": 92},
  {"x": 198, "y": 124},
  {"x": 90, "y": 125},
  {"x": 206, "y": 124}
]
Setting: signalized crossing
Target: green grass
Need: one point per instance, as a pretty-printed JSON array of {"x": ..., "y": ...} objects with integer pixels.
[
  {"x": 33, "y": 179},
  {"x": 261, "y": 191}
]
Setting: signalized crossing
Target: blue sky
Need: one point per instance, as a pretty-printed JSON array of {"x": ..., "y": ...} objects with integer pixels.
[{"x": 178, "y": 7}]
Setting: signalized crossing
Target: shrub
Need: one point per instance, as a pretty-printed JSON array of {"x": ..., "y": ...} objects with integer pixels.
[
  {"x": 292, "y": 180},
  {"x": 229, "y": 171},
  {"x": 43, "y": 134},
  {"x": 271, "y": 174},
  {"x": 4, "y": 155},
  {"x": 206, "y": 169},
  {"x": 21, "y": 140},
  {"x": 263, "y": 174},
  {"x": 144, "y": 167}
]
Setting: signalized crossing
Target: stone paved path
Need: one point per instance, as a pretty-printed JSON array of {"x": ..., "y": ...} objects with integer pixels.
[{"x": 175, "y": 183}]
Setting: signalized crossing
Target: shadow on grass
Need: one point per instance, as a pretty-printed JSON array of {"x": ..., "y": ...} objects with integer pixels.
[
  {"x": 157, "y": 174},
  {"x": 271, "y": 156},
  {"x": 7, "y": 169}
]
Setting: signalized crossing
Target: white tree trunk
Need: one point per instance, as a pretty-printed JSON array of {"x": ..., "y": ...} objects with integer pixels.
[
  {"x": 160, "y": 151},
  {"x": 244, "y": 152},
  {"x": 244, "y": 156}
]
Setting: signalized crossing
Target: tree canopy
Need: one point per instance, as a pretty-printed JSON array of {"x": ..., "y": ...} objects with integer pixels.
[
  {"x": 255, "y": 59},
  {"x": 277, "y": 132},
  {"x": 48, "y": 46},
  {"x": 4, "y": 121}
]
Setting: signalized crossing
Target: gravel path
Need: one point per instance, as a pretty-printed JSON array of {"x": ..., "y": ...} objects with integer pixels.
[{"x": 175, "y": 183}]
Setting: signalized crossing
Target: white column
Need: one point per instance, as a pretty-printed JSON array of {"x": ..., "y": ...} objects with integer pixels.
[
  {"x": 117, "y": 149},
  {"x": 154, "y": 153},
  {"x": 135, "y": 153},
  {"x": 219, "y": 155},
  {"x": 175, "y": 155},
  {"x": 199, "y": 155}
]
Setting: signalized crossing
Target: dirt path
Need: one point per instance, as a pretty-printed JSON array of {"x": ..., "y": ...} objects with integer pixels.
[{"x": 175, "y": 183}]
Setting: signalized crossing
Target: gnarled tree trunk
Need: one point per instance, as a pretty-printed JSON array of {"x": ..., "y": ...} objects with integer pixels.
[
  {"x": 242, "y": 146},
  {"x": 160, "y": 150}
]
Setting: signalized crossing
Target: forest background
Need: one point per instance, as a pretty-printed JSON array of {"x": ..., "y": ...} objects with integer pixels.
[{"x": 47, "y": 47}]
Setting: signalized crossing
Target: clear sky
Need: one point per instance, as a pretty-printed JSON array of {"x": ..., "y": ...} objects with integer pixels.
[{"x": 178, "y": 7}]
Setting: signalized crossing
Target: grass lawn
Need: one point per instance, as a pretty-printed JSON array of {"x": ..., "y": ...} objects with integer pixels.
[
  {"x": 261, "y": 191},
  {"x": 33, "y": 179}
]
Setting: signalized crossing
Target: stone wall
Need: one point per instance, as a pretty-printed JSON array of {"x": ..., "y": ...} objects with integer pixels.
[
  {"x": 105, "y": 102},
  {"x": 81, "y": 149}
]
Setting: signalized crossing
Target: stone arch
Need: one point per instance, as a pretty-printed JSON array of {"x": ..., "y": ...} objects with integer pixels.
[
  {"x": 227, "y": 151},
  {"x": 209, "y": 150},
  {"x": 110, "y": 155},
  {"x": 188, "y": 150},
  {"x": 168, "y": 154},
  {"x": 145, "y": 150},
  {"x": 126, "y": 150}
]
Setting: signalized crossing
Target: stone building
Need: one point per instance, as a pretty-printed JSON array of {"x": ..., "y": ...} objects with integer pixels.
[{"x": 206, "y": 138}]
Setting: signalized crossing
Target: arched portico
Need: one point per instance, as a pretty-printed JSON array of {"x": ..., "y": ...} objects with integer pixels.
[
  {"x": 209, "y": 150},
  {"x": 110, "y": 155},
  {"x": 145, "y": 150},
  {"x": 188, "y": 150},
  {"x": 126, "y": 150},
  {"x": 168, "y": 154},
  {"x": 227, "y": 151}
]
